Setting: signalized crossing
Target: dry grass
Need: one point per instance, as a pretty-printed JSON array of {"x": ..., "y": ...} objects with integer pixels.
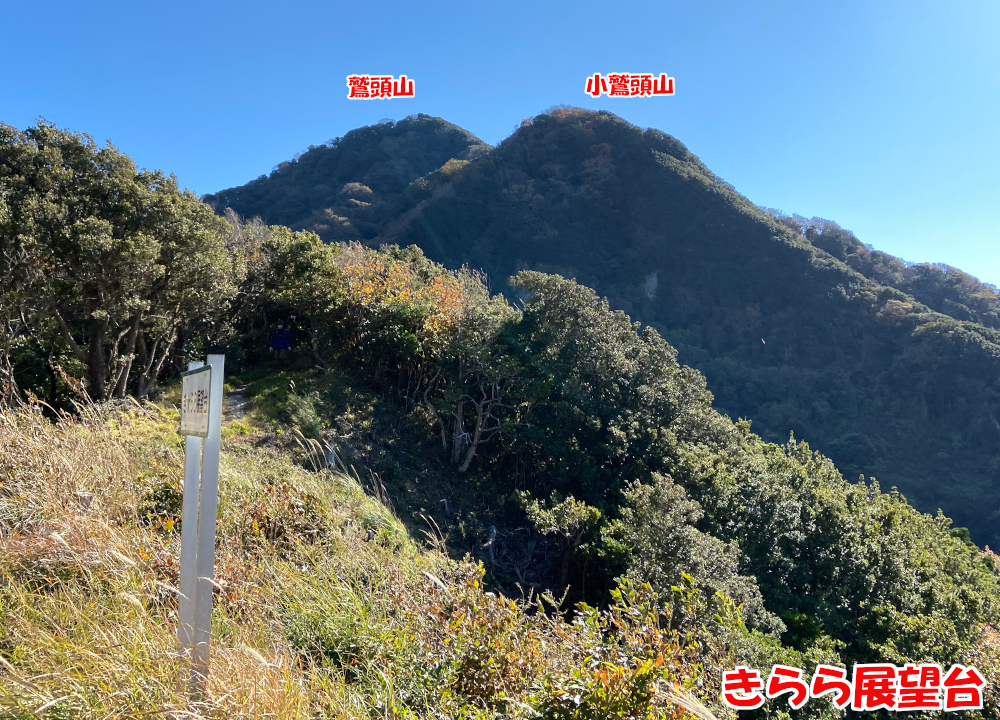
[
  {"x": 87, "y": 606},
  {"x": 325, "y": 607}
]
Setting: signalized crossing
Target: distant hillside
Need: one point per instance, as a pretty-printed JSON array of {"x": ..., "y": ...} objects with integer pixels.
[
  {"x": 942, "y": 288},
  {"x": 890, "y": 370}
]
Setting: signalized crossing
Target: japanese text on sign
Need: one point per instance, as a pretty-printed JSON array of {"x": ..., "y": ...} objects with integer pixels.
[
  {"x": 629, "y": 85},
  {"x": 875, "y": 686},
  {"x": 195, "y": 386},
  {"x": 374, "y": 87}
]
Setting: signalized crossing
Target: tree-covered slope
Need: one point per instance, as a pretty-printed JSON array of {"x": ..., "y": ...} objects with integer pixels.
[
  {"x": 571, "y": 451},
  {"x": 340, "y": 189},
  {"x": 790, "y": 333}
]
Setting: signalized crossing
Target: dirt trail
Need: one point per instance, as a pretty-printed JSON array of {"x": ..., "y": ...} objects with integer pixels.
[{"x": 234, "y": 404}]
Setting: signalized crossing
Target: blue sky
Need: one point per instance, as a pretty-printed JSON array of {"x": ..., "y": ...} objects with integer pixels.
[{"x": 883, "y": 116}]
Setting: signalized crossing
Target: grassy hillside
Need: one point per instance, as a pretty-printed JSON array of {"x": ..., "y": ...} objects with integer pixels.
[
  {"x": 884, "y": 368},
  {"x": 324, "y": 605}
]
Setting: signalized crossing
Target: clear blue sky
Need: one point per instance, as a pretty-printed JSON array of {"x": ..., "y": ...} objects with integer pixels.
[{"x": 883, "y": 116}]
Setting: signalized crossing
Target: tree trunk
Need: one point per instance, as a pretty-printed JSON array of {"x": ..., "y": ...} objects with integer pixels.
[
  {"x": 564, "y": 571},
  {"x": 314, "y": 345},
  {"x": 434, "y": 412},
  {"x": 572, "y": 544},
  {"x": 121, "y": 382},
  {"x": 180, "y": 350},
  {"x": 458, "y": 441},
  {"x": 151, "y": 371},
  {"x": 53, "y": 378},
  {"x": 97, "y": 365},
  {"x": 476, "y": 437},
  {"x": 8, "y": 387}
]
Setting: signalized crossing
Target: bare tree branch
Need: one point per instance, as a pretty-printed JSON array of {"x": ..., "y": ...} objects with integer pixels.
[{"x": 434, "y": 412}]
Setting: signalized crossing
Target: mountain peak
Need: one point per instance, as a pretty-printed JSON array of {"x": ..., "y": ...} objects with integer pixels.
[{"x": 385, "y": 157}]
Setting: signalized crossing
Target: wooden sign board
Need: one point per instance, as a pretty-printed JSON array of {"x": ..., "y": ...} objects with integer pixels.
[{"x": 195, "y": 401}]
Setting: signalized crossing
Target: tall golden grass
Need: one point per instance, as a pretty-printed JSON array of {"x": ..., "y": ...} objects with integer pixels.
[{"x": 87, "y": 610}]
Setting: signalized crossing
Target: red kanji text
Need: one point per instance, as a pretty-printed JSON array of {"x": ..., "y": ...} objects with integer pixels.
[
  {"x": 963, "y": 689},
  {"x": 596, "y": 85},
  {"x": 874, "y": 687},
  {"x": 358, "y": 85},
  {"x": 664, "y": 86},
  {"x": 375, "y": 87},
  {"x": 919, "y": 687},
  {"x": 626, "y": 85}
]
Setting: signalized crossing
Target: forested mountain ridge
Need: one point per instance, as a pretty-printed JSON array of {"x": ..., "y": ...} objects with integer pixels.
[
  {"x": 943, "y": 288},
  {"x": 798, "y": 329}
]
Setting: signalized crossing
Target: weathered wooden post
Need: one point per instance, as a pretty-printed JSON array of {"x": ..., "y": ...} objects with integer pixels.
[{"x": 201, "y": 417}]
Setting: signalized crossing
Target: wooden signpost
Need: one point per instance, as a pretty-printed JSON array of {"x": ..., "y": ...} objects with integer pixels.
[{"x": 201, "y": 418}]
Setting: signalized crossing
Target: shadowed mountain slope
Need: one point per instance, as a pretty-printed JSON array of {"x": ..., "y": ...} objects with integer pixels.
[{"x": 801, "y": 329}]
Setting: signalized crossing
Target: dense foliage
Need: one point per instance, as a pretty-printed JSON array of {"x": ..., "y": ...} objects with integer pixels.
[
  {"x": 611, "y": 453},
  {"x": 940, "y": 287},
  {"x": 889, "y": 369},
  {"x": 105, "y": 267}
]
